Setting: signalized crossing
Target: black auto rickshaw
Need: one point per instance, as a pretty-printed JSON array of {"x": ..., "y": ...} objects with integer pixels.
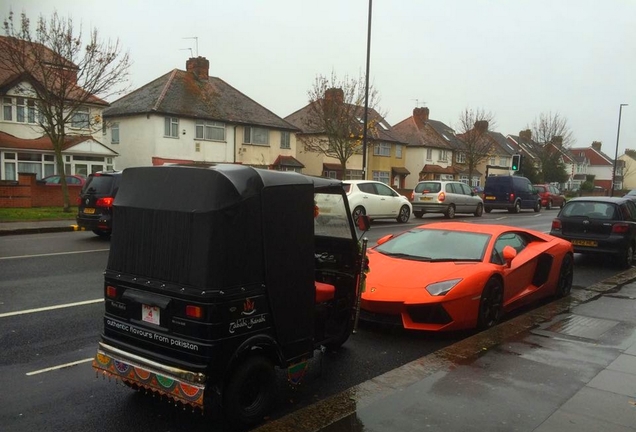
[{"x": 218, "y": 274}]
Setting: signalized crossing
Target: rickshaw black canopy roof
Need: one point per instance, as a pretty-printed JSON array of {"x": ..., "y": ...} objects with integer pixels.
[
  {"x": 188, "y": 188},
  {"x": 214, "y": 228}
]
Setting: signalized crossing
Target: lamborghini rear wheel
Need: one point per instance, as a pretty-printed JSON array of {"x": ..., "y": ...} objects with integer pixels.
[{"x": 565, "y": 276}]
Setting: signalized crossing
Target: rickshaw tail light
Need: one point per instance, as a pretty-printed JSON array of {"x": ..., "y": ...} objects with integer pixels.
[
  {"x": 111, "y": 291},
  {"x": 194, "y": 311}
]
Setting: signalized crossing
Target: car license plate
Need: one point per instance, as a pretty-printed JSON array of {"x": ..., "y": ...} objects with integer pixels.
[
  {"x": 490, "y": 197},
  {"x": 590, "y": 243},
  {"x": 150, "y": 314},
  {"x": 89, "y": 210},
  {"x": 425, "y": 198}
]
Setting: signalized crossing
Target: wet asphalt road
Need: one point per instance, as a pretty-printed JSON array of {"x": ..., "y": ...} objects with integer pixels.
[{"x": 42, "y": 270}]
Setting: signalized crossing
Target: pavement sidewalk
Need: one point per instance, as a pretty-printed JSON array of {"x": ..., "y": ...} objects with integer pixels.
[{"x": 569, "y": 365}]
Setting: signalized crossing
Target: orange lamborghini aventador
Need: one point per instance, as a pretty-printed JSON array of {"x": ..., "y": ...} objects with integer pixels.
[{"x": 456, "y": 275}]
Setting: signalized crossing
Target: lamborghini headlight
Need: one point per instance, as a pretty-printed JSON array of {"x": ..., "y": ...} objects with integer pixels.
[{"x": 442, "y": 288}]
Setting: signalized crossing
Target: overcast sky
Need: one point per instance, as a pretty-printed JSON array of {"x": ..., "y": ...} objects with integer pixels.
[{"x": 516, "y": 59}]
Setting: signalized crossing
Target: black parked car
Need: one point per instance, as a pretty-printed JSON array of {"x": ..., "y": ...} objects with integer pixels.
[
  {"x": 95, "y": 203},
  {"x": 599, "y": 225}
]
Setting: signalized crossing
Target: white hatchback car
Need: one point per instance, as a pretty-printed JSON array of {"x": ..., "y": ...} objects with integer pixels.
[{"x": 376, "y": 200}]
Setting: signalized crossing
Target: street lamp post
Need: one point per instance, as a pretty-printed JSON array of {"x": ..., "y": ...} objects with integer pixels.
[
  {"x": 618, "y": 134},
  {"x": 366, "y": 98}
]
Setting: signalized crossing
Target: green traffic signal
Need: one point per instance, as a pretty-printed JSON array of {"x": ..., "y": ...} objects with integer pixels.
[{"x": 516, "y": 162}]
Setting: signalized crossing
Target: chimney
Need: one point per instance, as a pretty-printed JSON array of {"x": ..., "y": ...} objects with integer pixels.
[
  {"x": 420, "y": 115},
  {"x": 481, "y": 125},
  {"x": 526, "y": 135},
  {"x": 596, "y": 145},
  {"x": 200, "y": 66},
  {"x": 335, "y": 95}
]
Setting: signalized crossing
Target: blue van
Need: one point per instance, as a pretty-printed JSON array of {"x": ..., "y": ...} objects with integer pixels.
[{"x": 511, "y": 193}]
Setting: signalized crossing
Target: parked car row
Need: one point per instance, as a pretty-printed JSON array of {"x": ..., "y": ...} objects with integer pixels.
[{"x": 366, "y": 197}]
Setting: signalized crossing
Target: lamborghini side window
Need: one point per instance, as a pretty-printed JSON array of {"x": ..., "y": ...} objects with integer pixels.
[{"x": 517, "y": 241}]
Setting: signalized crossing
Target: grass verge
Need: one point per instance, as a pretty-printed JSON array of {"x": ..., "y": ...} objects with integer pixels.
[{"x": 36, "y": 214}]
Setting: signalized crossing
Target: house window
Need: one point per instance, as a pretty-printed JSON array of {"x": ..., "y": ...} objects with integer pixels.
[
  {"x": 330, "y": 174},
  {"x": 504, "y": 161},
  {"x": 31, "y": 111},
  {"x": 463, "y": 179},
  {"x": 382, "y": 149},
  {"x": 442, "y": 156},
  {"x": 353, "y": 175},
  {"x": 19, "y": 110},
  {"x": 256, "y": 135},
  {"x": 25, "y": 111},
  {"x": 7, "y": 109},
  {"x": 398, "y": 151},
  {"x": 79, "y": 119},
  {"x": 197, "y": 147},
  {"x": 429, "y": 154},
  {"x": 461, "y": 157},
  {"x": 284, "y": 140},
  {"x": 114, "y": 133},
  {"x": 171, "y": 127},
  {"x": 492, "y": 160},
  {"x": 211, "y": 131},
  {"x": 382, "y": 176}
]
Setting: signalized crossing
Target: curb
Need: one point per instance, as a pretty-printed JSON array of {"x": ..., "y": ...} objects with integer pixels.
[{"x": 16, "y": 231}]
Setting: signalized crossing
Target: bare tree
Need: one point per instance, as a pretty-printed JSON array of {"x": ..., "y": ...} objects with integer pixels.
[
  {"x": 548, "y": 128},
  {"x": 64, "y": 73},
  {"x": 473, "y": 131},
  {"x": 550, "y": 131},
  {"x": 334, "y": 125}
]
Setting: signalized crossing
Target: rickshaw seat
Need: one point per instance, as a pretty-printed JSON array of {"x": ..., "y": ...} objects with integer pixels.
[{"x": 324, "y": 292}]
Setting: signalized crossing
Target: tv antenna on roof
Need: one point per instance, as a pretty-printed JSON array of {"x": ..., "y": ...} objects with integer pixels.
[
  {"x": 185, "y": 49},
  {"x": 417, "y": 103},
  {"x": 196, "y": 40}
]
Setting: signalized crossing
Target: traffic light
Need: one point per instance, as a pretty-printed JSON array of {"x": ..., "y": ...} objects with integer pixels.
[{"x": 516, "y": 162}]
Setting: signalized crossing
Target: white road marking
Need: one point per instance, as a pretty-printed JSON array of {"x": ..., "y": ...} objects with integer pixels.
[
  {"x": 52, "y": 368},
  {"x": 52, "y": 254},
  {"x": 48, "y": 308}
]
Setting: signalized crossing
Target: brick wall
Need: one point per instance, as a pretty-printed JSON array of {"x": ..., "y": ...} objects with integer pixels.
[{"x": 27, "y": 192}]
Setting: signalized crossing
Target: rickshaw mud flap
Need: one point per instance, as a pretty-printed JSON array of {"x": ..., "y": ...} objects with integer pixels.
[{"x": 177, "y": 384}]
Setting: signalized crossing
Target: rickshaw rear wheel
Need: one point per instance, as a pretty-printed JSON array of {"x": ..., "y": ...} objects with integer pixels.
[
  {"x": 345, "y": 329},
  {"x": 250, "y": 392}
]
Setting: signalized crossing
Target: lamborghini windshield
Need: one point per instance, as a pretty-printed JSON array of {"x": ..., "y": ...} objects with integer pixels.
[{"x": 437, "y": 245}]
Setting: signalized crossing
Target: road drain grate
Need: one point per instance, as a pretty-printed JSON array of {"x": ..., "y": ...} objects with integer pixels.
[{"x": 582, "y": 326}]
